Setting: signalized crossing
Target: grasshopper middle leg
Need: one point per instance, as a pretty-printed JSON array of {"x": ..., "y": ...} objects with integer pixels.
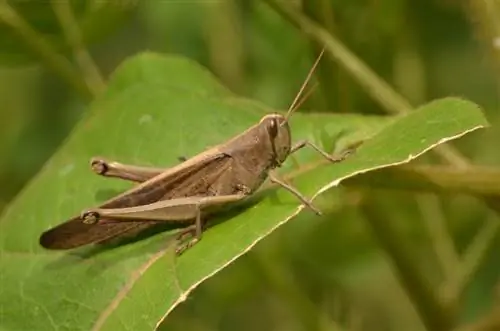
[
  {"x": 196, "y": 231},
  {"x": 331, "y": 158}
]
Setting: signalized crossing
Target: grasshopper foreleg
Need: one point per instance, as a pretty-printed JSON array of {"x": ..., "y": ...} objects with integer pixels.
[{"x": 332, "y": 158}]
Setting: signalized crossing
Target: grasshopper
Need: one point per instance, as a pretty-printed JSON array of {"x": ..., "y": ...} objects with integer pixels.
[{"x": 184, "y": 195}]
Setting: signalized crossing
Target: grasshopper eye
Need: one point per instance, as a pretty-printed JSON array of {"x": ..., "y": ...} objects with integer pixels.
[{"x": 273, "y": 128}]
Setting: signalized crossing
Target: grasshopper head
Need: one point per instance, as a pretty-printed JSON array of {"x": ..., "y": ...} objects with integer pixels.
[{"x": 279, "y": 134}]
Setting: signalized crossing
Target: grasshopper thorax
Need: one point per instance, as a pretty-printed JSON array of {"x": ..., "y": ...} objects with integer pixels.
[{"x": 278, "y": 131}]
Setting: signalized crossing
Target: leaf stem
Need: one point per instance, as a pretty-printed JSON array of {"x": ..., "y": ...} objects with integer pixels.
[
  {"x": 40, "y": 46},
  {"x": 88, "y": 67}
]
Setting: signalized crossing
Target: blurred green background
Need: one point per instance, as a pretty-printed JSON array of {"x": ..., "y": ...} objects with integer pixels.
[{"x": 309, "y": 271}]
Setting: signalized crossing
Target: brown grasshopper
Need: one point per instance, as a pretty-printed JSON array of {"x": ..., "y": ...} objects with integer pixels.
[{"x": 185, "y": 194}]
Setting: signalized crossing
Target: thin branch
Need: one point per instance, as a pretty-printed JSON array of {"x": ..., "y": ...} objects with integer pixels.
[
  {"x": 485, "y": 18},
  {"x": 327, "y": 75},
  {"x": 480, "y": 181},
  {"x": 69, "y": 25},
  {"x": 45, "y": 51},
  {"x": 433, "y": 314},
  {"x": 375, "y": 86},
  {"x": 475, "y": 254},
  {"x": 283, "y": 282},
  {"x": 223, "y": 31}
]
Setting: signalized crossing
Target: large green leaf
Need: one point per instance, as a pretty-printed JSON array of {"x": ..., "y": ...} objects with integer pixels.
[{"x": 155, "y": 110}]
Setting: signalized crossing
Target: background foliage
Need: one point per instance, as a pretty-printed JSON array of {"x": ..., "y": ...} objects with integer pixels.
[{"x": 335, "y": 269}]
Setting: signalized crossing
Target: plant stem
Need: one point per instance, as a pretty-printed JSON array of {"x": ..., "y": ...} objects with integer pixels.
[
  {"x": 375, "y": 86},
  {"x": 321, "y": 11},
  {"x": 69, "y": 25},
  {"x": 40, "y": 46},
  {"x": 475, "y": 180},
  {"x": 453, "y": 289},
  {"x": 485, "y": 16},
  {"x": 434, "y": 219},
  {"x": 283, "y": 282},
  {"x": 480, "y": 181},
  {"x": 433, "y": 314},
  {"x": 223, "y": 32}
]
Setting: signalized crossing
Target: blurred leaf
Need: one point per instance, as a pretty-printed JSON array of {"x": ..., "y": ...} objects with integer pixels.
[
  {"x": 151, "y": 115},
  {"x": 164, "y": 19},
  {"x": 98, "y": 19}
]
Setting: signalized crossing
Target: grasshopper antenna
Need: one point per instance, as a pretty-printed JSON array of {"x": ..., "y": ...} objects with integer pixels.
[{"x": 295, "y": 104}]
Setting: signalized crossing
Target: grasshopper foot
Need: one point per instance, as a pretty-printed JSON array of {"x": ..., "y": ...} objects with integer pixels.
[
  {"x": 339, "y": 158},
  {"x": 309, "y": 205},
  {"x": 182, "y": 248},
  {"x": 345, "y": 153},
  {"x": 190, "y": 230}
]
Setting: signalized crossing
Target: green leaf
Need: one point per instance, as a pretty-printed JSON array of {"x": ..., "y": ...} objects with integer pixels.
[{"x": 155, "y": 110}]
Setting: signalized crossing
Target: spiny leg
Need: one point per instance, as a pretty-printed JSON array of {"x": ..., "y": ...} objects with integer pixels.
[
  {"x": 294, "y": 191},
  {"x": 123, "y": 171},
  {"x": 175, "y": 210},
  {"x": 187, "y": 231},
  {"x": 178, "y": 210},
  {"x": 197, "y": 228}
]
